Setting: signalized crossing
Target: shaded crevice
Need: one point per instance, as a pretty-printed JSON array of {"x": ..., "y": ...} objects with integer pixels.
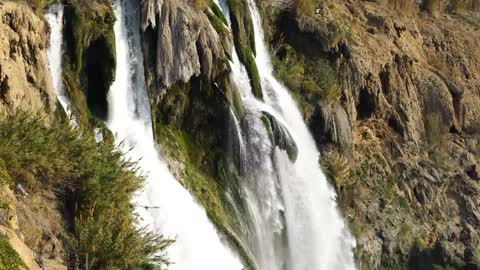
[
  {"x": 99, "y": 71},
  {"x": 366, "y": 105},
  {"x": 3, "y": 88}
]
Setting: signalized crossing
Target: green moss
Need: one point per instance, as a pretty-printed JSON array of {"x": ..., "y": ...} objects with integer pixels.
[
  {"x": 244, "y": 39},
  {"x": 9, "y": 258},
  {"x": 405, "y": 238},
  {"x": 88, "y": 30},
  {"x": 5, "y": 178},
  {"x": 190, "y": 125},
  {"x": 280, "y": 136},
  {"x": 266, "y": 123},
  {"x": 310, "y": 79},
  {"x": 237, "y": 104},
  {"x": 218, "y": 12},
  {"x": 39, "y": 5},
  {"x": 200, "y": 178}
]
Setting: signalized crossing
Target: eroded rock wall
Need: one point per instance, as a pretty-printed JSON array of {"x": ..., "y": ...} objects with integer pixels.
[
  {"x": 185, "y": 44},
  {"x": 25, "y": 81},
  {"x": 400, "y": 138}
]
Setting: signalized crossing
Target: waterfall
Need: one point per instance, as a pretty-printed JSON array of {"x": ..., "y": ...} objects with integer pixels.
[
  {"x": 54, "y": 17},
  {"x": 295, "y": 221},
  {"x": 163, "y": 205}
]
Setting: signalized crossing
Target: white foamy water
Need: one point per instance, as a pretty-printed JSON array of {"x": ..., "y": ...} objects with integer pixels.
[
  {"x": 54, "y": 17},
  {"x": 293, "y": 211},
  {"x": 163, "y": 205}
]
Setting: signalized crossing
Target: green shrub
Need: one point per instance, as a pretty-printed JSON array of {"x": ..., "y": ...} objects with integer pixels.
[
  {"x": 39, "y": 5},
  {"x": 337, "y": 168},
  {"x": 306, "y": 7},
  {"x": 9, "y": 259},
  {"x": 99, "y": 184},
  {"x": 5, "y": 178}
]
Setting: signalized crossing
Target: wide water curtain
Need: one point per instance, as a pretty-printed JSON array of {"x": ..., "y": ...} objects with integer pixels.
[{"x": 293, "y": 214}]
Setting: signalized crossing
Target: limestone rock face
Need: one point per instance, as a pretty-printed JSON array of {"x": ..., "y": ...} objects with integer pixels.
[
  {"x": 186, "y": 44},
  {"x": 408, "y": 121},
  {"x": 25, "y": 80}
]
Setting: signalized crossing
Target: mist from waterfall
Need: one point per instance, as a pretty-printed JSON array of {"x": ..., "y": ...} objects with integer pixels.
[{"x": 293, "y": 214}]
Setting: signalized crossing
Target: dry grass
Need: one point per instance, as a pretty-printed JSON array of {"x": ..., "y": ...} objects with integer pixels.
[
  {"x": 337, "y": 168},
  {"x": 472, "y": 5},
  {"x": 402, "y": 6},
  {"x": 434, "y": 7}
]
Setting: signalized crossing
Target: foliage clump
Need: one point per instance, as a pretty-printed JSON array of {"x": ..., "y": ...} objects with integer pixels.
[
  {"x": 9, "y": 259},
  {"x": 309, "y": 79},
  {"x": 98, "y": 182}
]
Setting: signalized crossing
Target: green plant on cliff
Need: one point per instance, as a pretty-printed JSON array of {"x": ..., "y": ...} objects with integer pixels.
[
  {"x": 39, "y": 5},
  {"x": 337, "y": 168},
  {"x": 309, "y": 79},
  {"x": 306, "y": 7},
  {"x": 89, "y": 37},
  {"x": 99, "y": 184},
  {"x": 244, "y": 39},
  {"x": 5, "y": 178},
  {"x": 9, "y": 259}
]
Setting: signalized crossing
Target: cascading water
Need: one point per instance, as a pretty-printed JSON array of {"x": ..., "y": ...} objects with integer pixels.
[
  {"x": 54, "y": 17},
  {"x": 163, "y": 205},
  {"x": 294, "y": 217},
  {"x": 294, "y": 222}
]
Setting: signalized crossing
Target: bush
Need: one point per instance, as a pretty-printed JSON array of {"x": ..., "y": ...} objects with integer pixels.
[
  {"x": 39, "y": 5},
  {"x": 337, "y": 168},
  {"x": 9, "y": 259},
  {"x": 99, "y": 184},
  {"x": 305, "y": 8}
]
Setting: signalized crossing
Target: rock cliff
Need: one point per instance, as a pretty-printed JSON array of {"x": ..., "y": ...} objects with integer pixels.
[
  {"x": 25, "y": 80},
  {"x": 390, "y": 92},
  {"x": 183, "y": 43}
]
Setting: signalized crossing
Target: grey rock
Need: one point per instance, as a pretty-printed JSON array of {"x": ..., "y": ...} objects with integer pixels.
[{"x": 187, "y": 44}]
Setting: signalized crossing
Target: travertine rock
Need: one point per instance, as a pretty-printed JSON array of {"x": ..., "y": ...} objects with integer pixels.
[
  {"x": 25, "y": 80},
  {"x": 187, "y": 44}
]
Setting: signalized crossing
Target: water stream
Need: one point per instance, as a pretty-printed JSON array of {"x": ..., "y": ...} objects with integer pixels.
[{"x": 294, "y": 217}]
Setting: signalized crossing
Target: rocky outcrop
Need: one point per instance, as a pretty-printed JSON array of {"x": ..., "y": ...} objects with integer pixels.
[
  {"x": 242, "y": 28},
  {"x": 13, "y": 227},
  {"x": 280, "y": 136},
  {"x": 25, "y": 81},
  {"x": 183, "y": 44},
  {"x": 90, "y": 58},
  {"x": 406, "y": 121}
]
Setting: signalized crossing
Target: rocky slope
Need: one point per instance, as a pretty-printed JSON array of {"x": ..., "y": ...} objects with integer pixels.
[
  {"x": 391, "y": 94},
  {"x": 32, "y": 224},
  {"x": 25, "y": 80}
]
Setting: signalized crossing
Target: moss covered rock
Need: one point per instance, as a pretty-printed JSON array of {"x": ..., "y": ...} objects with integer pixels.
[
  {"x": 244, "y": 39},
  {"x": 280, "y": 136},
  {"x": 90, "y": 61}
]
